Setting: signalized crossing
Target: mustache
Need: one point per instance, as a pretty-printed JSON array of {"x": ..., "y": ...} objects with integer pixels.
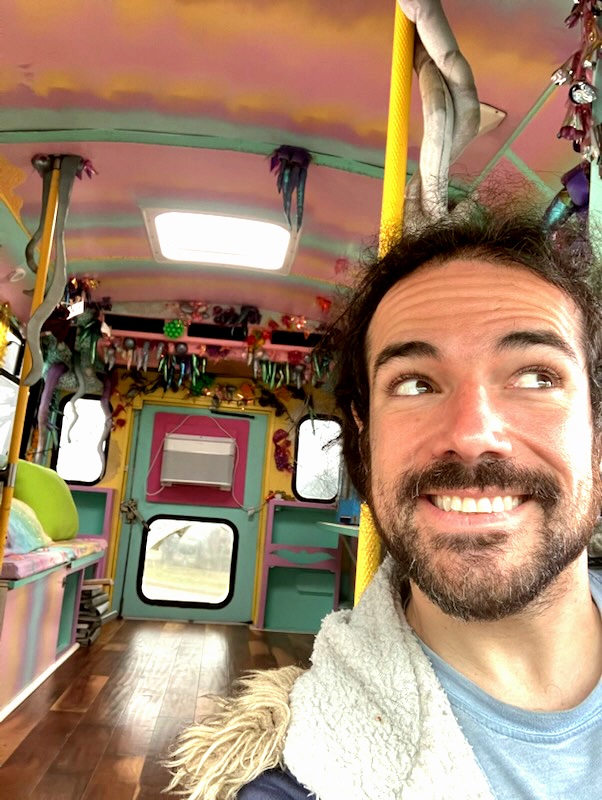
[{"x": 486, "y": 474}]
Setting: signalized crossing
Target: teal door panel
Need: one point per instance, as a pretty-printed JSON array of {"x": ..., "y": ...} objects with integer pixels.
[{"x": 142, "y": 553}]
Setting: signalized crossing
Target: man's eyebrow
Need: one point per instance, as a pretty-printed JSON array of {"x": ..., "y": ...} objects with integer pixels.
[
  {"x": 528, "y": 338},
  {"x": 406, "y": 350}
]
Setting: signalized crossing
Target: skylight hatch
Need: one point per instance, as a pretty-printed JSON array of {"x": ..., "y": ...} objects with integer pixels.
[{"x": 211, "y": 239}]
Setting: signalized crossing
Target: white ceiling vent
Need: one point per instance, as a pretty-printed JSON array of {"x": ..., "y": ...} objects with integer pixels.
[{"x": 198, "y": 460}]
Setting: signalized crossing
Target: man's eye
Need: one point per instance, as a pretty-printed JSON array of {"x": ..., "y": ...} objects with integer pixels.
[
  {"x": 412, "y": 386},
  {"x": 535, "y": 379}
]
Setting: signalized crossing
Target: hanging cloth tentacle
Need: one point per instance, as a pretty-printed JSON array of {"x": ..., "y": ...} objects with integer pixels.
[
  {"x": 450, "y": 108},
  {"x": 291, "y": 165},
  {"x": 439, "y": 41},
  {"x": 105, "y": 404},
  {"x": 451, "y": 120},
  {"x": 43, "y": 165},
  {"x": 71, "y": 166},
  {"x": 51, "y": 382},
  {"x": 427, "y": 191},
  {"x": 78, "y": 370}
]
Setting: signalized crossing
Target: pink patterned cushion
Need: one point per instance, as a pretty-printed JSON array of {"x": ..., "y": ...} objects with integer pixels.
[{"x": 15, "y": 567}]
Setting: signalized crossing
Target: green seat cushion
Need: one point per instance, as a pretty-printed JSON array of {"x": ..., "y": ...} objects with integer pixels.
[{"x": 48, "y": 495}]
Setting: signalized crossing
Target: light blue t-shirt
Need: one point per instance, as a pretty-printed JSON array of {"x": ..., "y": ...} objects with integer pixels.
[{"x": 528, "y": 755}]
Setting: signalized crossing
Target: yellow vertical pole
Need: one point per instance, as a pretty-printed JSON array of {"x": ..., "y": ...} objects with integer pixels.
[
  {"x": 394, "y": 182},
  {"x": 38, "y": 296}
]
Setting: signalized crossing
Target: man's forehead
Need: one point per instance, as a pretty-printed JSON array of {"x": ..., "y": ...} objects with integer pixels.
[{"x": 443, "y": 295}]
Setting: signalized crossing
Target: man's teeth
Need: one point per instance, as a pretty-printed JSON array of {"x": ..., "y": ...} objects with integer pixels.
[{"x": 472, "y": 505}]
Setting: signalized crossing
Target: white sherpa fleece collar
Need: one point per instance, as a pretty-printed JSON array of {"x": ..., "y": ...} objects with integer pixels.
[{"x": 370, "y": 720}]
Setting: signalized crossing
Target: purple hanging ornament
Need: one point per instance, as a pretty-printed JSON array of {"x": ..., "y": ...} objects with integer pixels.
[{"x": 291, "y": 165}]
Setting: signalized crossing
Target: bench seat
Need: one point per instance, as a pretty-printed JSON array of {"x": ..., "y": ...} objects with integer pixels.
[{"x": 18, "y": 566}]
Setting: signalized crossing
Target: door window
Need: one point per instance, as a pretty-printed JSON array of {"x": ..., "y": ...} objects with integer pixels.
[{"x": 188, "y": 561}]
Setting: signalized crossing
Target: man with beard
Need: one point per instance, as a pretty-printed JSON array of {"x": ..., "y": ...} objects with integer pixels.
[{"x": 469, "y": 387}]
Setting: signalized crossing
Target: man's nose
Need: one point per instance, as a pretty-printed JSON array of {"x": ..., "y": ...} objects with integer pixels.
[{"x": 473, "y": 426}]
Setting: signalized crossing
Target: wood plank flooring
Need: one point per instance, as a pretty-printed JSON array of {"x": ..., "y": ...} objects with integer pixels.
[{"x": 98, "y": 728}]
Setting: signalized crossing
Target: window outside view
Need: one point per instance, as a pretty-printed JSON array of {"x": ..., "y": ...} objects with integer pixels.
[
  {"x": 8, "y": 402},
  {"x": 187, "y": 561},
  {"x": 80, "y": 457},
  {"x": 318, "y": 459}
]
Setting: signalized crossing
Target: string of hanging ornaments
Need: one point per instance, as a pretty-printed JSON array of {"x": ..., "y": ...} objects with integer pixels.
[
  {"x": 182, "y": 360},
  {"x": 577, "y": 73}
]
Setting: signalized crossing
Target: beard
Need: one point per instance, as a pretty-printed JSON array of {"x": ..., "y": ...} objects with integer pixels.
[{"x": 468, "y": 575}]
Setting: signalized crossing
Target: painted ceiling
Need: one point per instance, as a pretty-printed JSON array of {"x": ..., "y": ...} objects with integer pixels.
[{"x": 179, "y": 103}]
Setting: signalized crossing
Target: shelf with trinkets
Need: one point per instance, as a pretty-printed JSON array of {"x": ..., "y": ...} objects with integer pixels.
[{"x": 272, "y": 364}]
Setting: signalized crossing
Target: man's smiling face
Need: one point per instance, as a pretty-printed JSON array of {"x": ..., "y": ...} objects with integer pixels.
[{"x": 484, "y": 482}]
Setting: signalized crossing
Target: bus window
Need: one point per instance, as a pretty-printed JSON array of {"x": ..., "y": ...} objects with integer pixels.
[
  {"x": 81, "y": 457},
  {"x": 317, "y": 459}
]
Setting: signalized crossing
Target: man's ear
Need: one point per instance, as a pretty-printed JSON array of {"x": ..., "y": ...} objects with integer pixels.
[{"x": 358, "y": 422}]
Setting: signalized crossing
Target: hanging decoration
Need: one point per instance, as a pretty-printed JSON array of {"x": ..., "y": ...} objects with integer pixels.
[
  {"x": 571, "y": 199},
  {"x": 119, "y": 416},
  {"x": 577, "y": 73},
  {"x": 282, "y": 450},
  {"x": 324, "y": 304},
  {"x": 174, "y": 328},
  {"x": 209, "y": 386},
  {"x": 184, "y": 365},
  {"x": 78, "y": 295},
  {"x": 109, "y": 386},
  {"x": 295, "y": 323},
  {"x": 231, "y": 318},
  {"x": 71, "y": 363},
  {"x": 70, "y": 167},
  {"x": 179, "y": 316},
  {"x": 81, "y": 354},
  {"x": 341, "y": 266},
  {"x": 200, "y": 380},
  {"x": 279, "y": 495},
  {"x": 290, "y": 165},
  {"x": 177, "y": 367},
  {"x": 44, "y": 427},
  {"x": 225, "y": 316},
  {"x": 5, "y": 323},
  {"x": 194, "y": 311}
]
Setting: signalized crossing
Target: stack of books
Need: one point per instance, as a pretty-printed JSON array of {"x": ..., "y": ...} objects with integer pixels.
[{"x": 94, "y": 612}]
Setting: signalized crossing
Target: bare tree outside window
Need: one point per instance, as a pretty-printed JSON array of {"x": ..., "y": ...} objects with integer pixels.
[
  {"x": 318, "y": 462},
  {"x": 80, "y": 455}
]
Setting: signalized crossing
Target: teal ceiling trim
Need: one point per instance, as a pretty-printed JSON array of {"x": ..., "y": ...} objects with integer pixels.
[
  {"x": 332, "y": 246},
  {"x": 531, "y": 176},
  {"x": 100, "y": 267},
  {"x": 93, "y": 222},
  {"x": 535, "y": 109},
  {"x": 132, "y": 222},
  {"x": 77, "y": 125}
]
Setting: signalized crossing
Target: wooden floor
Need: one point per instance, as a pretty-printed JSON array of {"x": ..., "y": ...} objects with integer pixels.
[{"x": 97, "y": 728}]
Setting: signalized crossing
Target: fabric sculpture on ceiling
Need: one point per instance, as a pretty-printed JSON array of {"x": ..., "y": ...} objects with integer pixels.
[{"x": 450, "y": 108}]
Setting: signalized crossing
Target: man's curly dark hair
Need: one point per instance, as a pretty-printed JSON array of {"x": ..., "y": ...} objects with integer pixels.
[{"x": 564, "y": 260}]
